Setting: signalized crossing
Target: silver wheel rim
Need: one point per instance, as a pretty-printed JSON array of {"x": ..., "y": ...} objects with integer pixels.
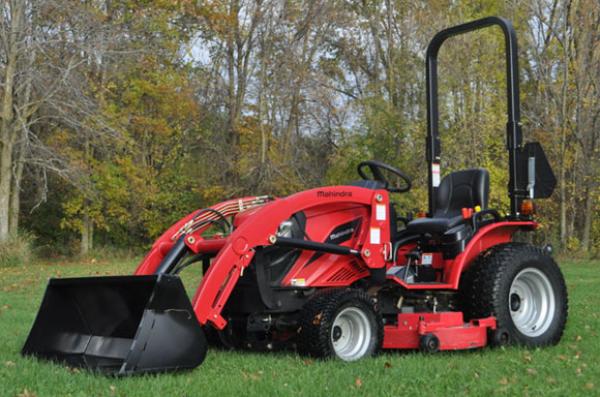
[
  {"x": 531, "y": 302},
  {"x": 351, "y": 334}
]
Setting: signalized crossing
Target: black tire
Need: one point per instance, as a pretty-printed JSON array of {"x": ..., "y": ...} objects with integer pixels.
[
  {"x": 485, "y": 290},
  {"x": 330, "y": 308},
  {"x": 429, "y": 343},
  {"x": 499, "y": 337}
]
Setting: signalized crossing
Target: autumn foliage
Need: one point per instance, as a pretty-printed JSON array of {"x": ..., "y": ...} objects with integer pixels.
[{"x": 121, "y": 117}]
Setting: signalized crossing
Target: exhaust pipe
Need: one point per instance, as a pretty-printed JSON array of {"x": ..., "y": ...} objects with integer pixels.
[{"x": 118, "y": 325}]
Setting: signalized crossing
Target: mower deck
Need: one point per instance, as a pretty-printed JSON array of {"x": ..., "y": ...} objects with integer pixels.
[{"x": 420, "y": 331}]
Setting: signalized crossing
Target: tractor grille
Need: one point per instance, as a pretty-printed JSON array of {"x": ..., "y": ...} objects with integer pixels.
[{"x": 342, "y": 275}]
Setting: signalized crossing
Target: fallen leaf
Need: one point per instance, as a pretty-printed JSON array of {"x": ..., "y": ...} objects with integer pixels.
[
  {"x": 251, "y": 376},
  {"x": 112, "y": 389},
  {"x": 317, "y": 319},
  {"x": 503, "y": 381},
  {"x": 476, "y": 375},
  {"x": 578, "y": 371},
  {"x": 308, "y": 362},
  {"x": 387, "y": 365},
  {"x": 578, "y": 338},
  {"x": 9, "y": 363},
  {"x": 532, "y": 371},
  {"x": 26, "y": 393},
  {"x": 551, "y": 380},
  {"x": 527, "y": 358},
  {"x": 358, "y": 382},
  {"x": 562, "y": 357},
  {"x": 589, "y": 385}
]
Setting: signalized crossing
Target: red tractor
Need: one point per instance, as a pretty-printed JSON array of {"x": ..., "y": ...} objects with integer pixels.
[{"x": 332, "y": 271}]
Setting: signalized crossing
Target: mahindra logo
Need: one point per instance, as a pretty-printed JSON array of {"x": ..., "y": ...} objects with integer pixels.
[
  {"x": 337, "y": 235},
  {"x": 329, "y": 193}
]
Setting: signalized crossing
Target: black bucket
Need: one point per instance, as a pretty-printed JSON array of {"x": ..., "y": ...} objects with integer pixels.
[{"x": 118, "y": 325}]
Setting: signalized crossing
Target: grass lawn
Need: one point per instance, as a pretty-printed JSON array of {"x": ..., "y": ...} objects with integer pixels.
[{"x": 571, "y": 368}]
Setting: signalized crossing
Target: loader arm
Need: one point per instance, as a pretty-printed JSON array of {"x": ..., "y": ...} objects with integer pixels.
[{"x": 194, "y": 224}]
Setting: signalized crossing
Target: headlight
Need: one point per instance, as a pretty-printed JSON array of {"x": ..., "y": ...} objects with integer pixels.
[{"x": 285, "y": 229}]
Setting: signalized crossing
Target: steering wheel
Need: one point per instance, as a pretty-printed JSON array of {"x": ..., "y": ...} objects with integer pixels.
[{"x": 376, "y": 167}]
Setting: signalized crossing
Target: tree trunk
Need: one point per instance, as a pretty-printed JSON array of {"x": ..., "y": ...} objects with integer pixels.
[
  {"x": 566, "y": 56},
  {"x": 15, "y": 199},
  {"x": 263, "y": 131},
  {"x": 5, "y": 188},
  {"x": 87, "y": 233},
  {"x": 7, "y": 133},
  {"x": 563, "y": 204},
  {"x": 588, "y": 219}
]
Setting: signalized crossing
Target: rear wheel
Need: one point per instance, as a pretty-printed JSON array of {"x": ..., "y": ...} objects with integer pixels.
[
  {"x": 340, "y": 323},
  {"x": 523, "y": 288}
]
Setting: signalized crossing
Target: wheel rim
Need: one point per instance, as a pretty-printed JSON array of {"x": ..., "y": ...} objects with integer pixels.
[
  {"x": 351, "y": 334},
  {"x": 531, "y": 302}
]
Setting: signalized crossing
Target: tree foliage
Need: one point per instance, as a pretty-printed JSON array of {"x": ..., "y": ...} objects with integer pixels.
[{"x": 152, "y": 109}]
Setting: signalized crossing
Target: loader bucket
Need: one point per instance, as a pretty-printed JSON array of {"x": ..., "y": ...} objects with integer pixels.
[{"x": 118, "y": 325}]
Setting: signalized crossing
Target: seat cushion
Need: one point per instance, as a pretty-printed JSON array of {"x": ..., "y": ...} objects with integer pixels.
[{"x": 432, "y": 225}]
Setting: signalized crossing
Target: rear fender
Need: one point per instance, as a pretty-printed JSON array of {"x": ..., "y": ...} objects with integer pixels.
[{"x": 487, "y": 237}]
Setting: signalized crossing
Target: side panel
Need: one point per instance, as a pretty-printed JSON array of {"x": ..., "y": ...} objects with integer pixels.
[
  {"x": 345, "y": 225},
  {"x": 237, "y": 254}
]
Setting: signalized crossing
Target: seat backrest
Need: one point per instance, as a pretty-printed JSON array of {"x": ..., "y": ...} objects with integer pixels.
[{"x": 462, "y": 189}]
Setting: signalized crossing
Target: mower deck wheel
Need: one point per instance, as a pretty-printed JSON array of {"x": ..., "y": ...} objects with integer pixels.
[
  {"x": 429, "y": 343},
  {"x": 499, "y": 337},
  {"x": 342, "y": 323}
]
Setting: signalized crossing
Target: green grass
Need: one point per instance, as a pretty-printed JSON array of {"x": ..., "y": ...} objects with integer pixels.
[{"x": 571, "y": 368}]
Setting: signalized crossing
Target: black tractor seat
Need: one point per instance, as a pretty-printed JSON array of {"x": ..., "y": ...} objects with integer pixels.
[
  {"x": 457, "y": 190},
  {"x": 433, "y": 225}
]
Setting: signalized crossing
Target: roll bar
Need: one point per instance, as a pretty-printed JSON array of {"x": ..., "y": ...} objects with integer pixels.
[{"x": 513, "y": 126}]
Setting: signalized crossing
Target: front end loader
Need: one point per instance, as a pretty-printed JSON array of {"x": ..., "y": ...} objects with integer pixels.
[{"x": 332, "y": 271}]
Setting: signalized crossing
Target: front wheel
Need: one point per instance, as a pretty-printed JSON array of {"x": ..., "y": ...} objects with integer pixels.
[
  {"x": 344, "y": 324},
  {"x": 523, "y": 288}
]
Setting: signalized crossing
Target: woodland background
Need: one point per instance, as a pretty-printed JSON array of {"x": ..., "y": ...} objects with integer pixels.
[{"x": 119, "y": 116}]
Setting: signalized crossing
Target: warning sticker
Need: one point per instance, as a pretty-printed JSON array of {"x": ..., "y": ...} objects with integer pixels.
[
  {"x": 298, "y": 282},
  {"x": 375, "y": 235},
  {"x": 435, "y": 174},
  {"x": 426, "y": 259},
  {"x": 380, "y": 212}
]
